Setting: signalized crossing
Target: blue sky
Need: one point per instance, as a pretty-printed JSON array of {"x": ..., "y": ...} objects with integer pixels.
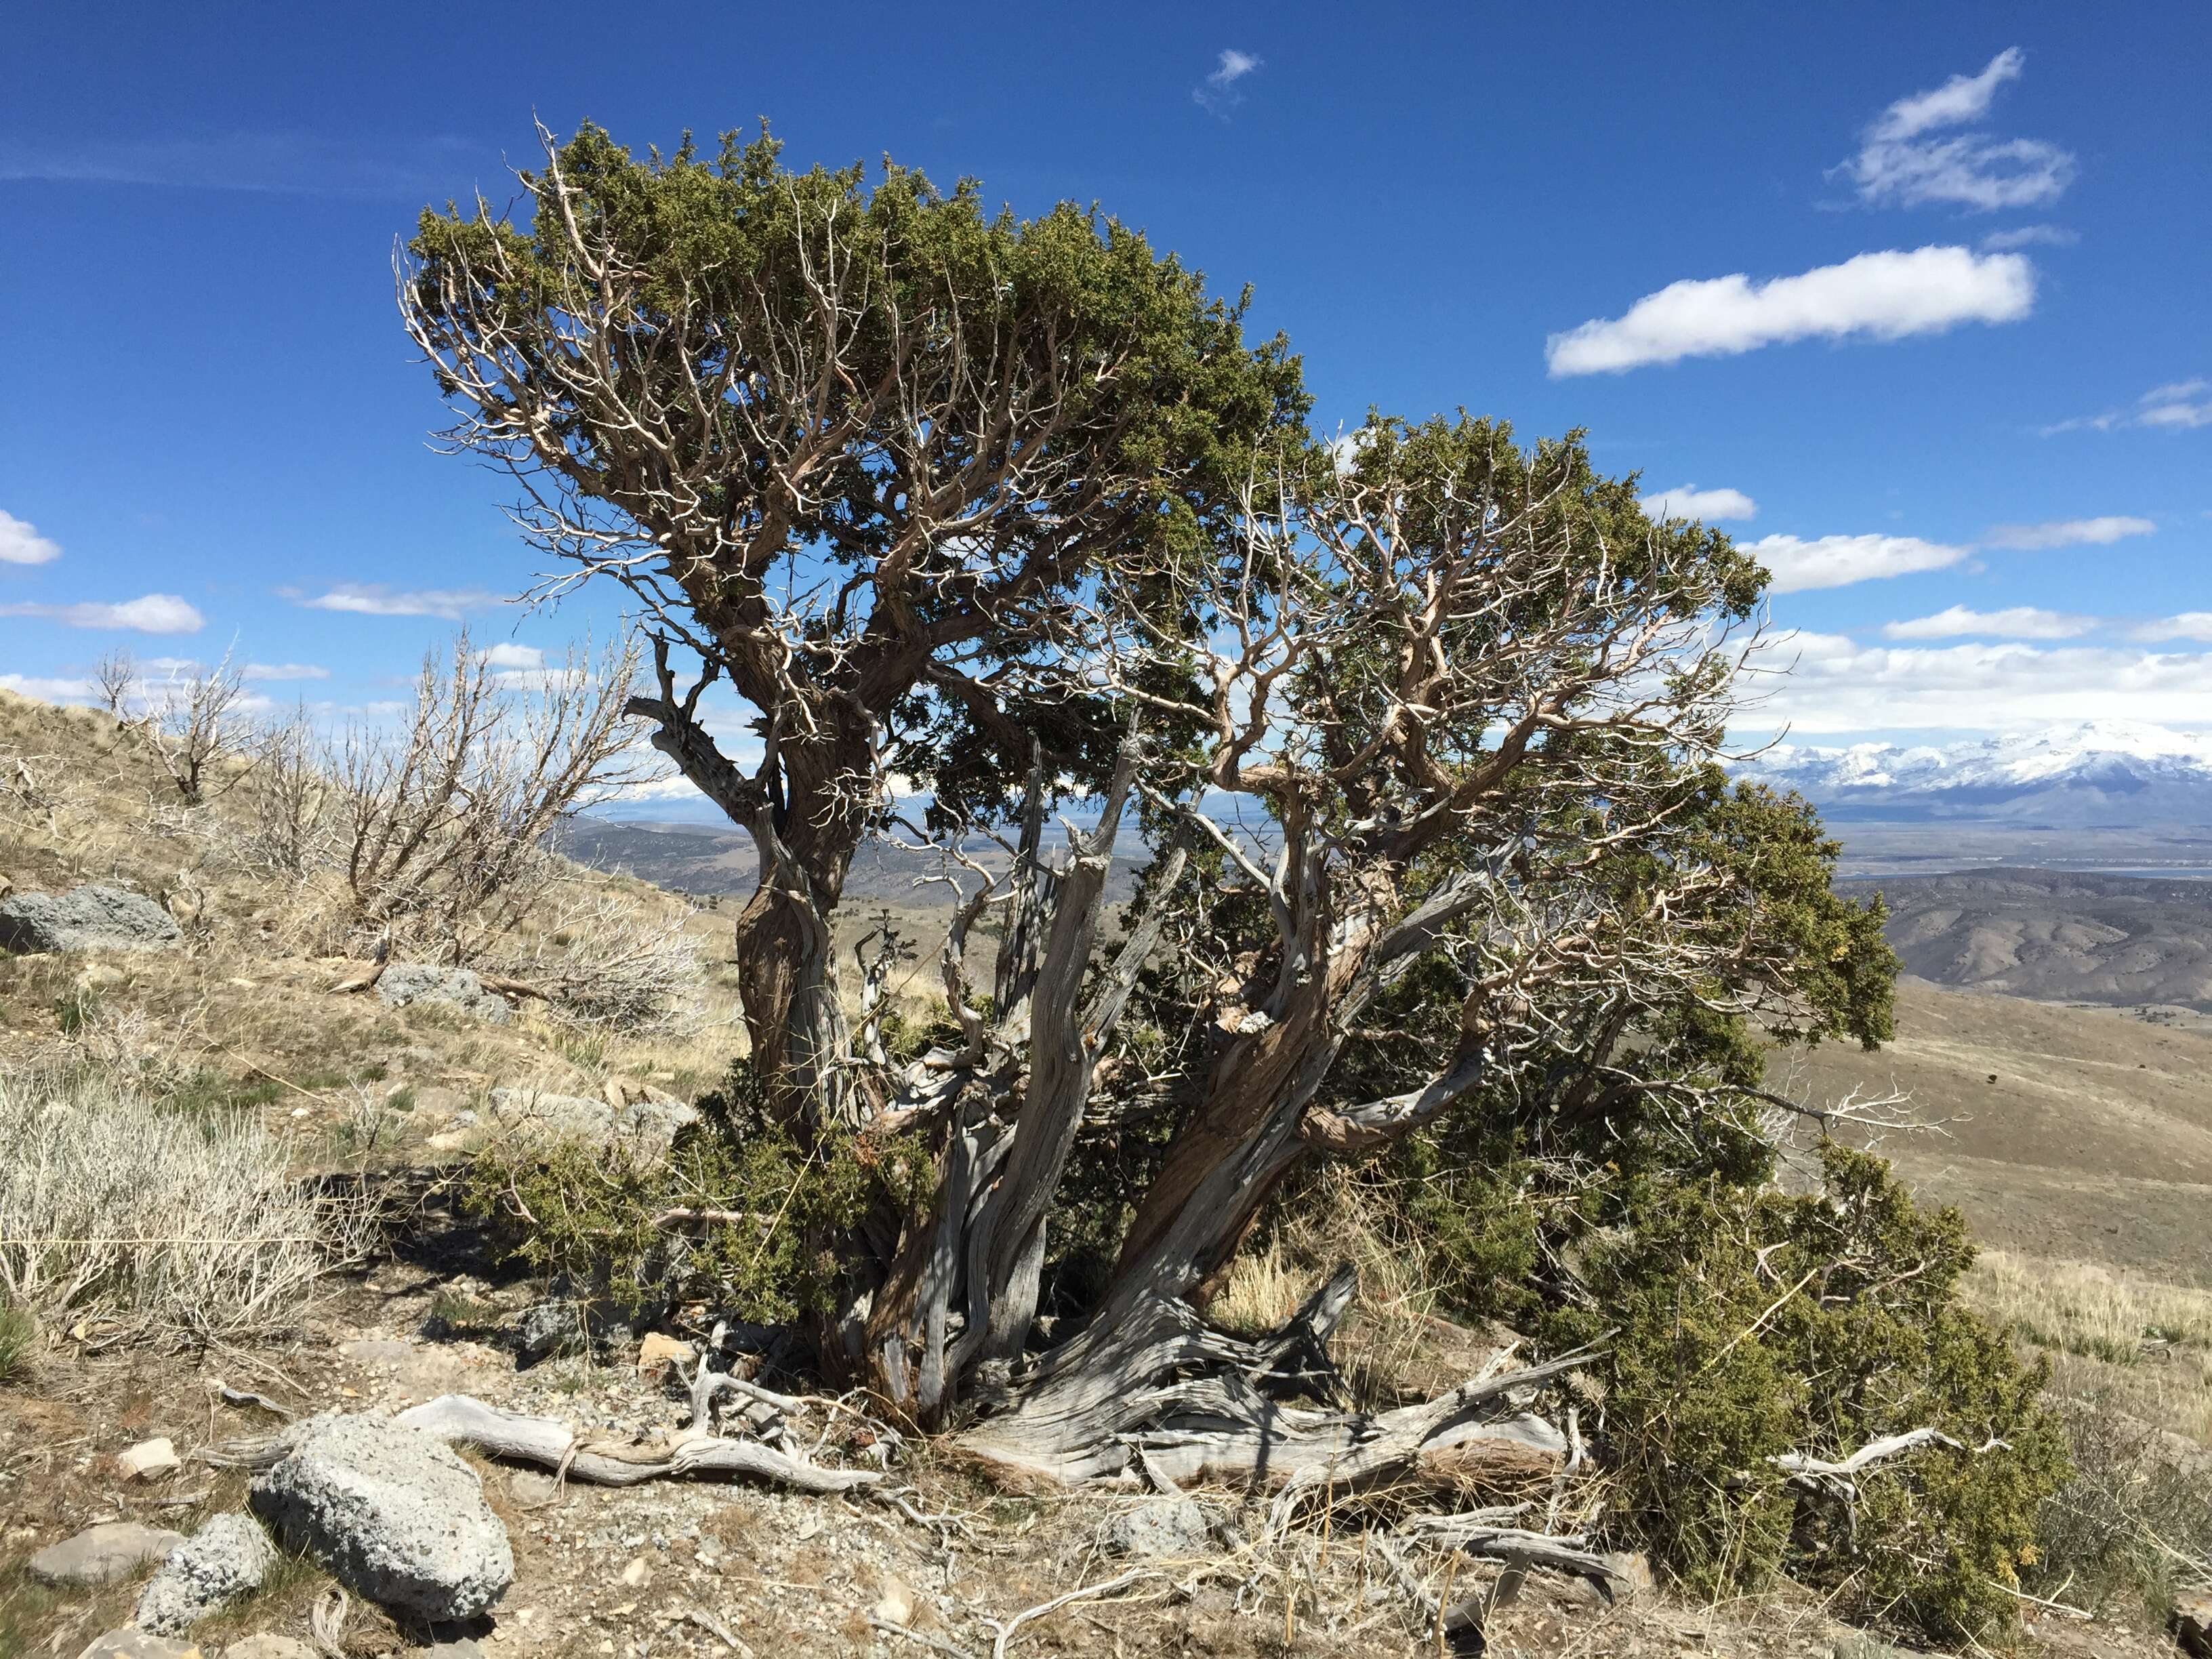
[{"x": 1925, "y": 287}]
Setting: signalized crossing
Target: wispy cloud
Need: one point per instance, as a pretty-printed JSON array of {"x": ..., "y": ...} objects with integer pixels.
[
  {"x": 1900, "y": 164},
  {"x": 1881, "y": 296},
  {"x": 2065, "y": 532},
  {"x": 507, "y": 655},
  {"x": 285, "y": 670},
  {"x": 155, "y": 613},
  {"x": 1798, "y": 565},
  {"x": 2180, "y": 407},
  {"x": 2016, "y": 622},
  {"x": 20, "y": 543},
  {"x": 1998, "y": 241},
  {"x": 1219, "y": 92},
  {"x": 2189, "y": 625},
  {"x": 1689, "y": 501},
  {"x": 283, "y": 163},
  {"x": 372, "y": 599}
]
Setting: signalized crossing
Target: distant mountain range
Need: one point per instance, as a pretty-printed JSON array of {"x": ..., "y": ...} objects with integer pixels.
[{"x": 2095, "y": 773}]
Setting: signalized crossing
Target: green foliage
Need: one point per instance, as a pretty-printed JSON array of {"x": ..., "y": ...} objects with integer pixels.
[
  {"x": 1750, "y": 1323},
  {"x": 770, "y": 1251},
  {"x": 18, "y": 1338}
]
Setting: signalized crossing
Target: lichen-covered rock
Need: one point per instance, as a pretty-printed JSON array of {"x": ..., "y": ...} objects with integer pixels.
[
  {"x": 88, "y": 918},
  {"x": 103, "y": 1554},
  {"x": 395, "y": 1515},
  {"x": 221, "y": 1562},
  {"x": 644, "y": 1126},
  {"x": 405, "y": 982},
  {"x": 1165, "y": 1528}
]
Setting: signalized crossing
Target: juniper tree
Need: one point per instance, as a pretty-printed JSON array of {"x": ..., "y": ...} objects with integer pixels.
[{"x": 1010, "y": 509}]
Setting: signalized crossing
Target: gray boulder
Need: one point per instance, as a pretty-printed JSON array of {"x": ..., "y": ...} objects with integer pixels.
[
  {"x": 221, "y": 1562},
  {"x": 395, "y": 1515},
  {"x": 1164, "y": 1529},
  {"x": 102, "y": 1554},
  {"x": 643, "y": 1125},
  {"x": 89, "y": 918},
  {"x": 405, "y": 982}
]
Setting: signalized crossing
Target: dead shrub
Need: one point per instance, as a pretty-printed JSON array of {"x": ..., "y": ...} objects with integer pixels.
[{"x": 165, "y": 1224}]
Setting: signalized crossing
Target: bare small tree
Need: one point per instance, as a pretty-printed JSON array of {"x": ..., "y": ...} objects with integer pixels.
[
  {"x": 115, "y": 681},
  {"x": 293, "y": 797},
  {"x": 442, "y": 820},
  {"x": 198, "y": 724}
]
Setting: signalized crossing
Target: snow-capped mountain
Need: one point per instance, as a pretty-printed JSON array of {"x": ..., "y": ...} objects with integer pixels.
[{"x": 2105, "y": 772}]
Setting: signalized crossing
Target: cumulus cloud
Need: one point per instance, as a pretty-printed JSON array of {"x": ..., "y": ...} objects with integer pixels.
[
  {"x": 372, "y": 599},
  {"x": 510, "y": 655},
  {"x": 2189, "y": 625},
  {"x": 155, "y": 613},
  {"x": 1882, "y": 296},
  {"x": 2065, "y": 532},
  {"x": 20, "y": 543},
  {"x": 1900, "y": 162},
  {"x": 2020, "y": 621},
  {"x": 1839, "y": 685},
  {"x": 285, "y": 670},
  {"x": 2180, "y": 407},
  {"x": 1839, "y": 561},
  {"x": 1219, "y": 92},
  {"x": 1690, "y": 503}
]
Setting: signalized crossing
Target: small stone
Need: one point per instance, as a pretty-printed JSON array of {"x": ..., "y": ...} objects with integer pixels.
[
  {"x": 638, "y": 1574},
  {"x": 897, "y": 1604},
  {"x": 149, "y": 1460},
  {"x": 1165, "y": 1528},
  {"x": 100, "y": 976},
  {"x": 103, "y": 1554},
  {"x": 131, "y": 1643},
  {"x": 659, "y": 1352},
  {"x": 270, "y": 1647},
  {"x": 221, "y": 1562}
]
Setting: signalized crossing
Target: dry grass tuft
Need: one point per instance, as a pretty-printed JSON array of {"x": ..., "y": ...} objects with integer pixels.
[{"x": 153, "y": 1221}]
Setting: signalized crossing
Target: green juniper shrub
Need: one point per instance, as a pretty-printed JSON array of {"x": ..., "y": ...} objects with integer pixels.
[{"x": 767, "y": 1253}]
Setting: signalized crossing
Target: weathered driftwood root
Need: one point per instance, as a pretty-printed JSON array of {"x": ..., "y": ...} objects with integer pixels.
[
  {"x": 553, "y": 1445},
  {"x": 1163, "y": 1392}
]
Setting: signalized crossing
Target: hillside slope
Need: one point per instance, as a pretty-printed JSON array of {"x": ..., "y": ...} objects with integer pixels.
[{"x": 2054, "y": 935}]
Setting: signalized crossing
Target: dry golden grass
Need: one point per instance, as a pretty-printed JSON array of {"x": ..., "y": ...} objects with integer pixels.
[{"x": 2148, "y": 1344}]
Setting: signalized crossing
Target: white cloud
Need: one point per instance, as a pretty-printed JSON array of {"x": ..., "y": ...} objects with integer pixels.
[
  {"x": 509, "y": 655},
  {"x": 2030, "y": 236},
  {"x": 2180, "y": 407},
  {"x": 1690, "y": 503},
  {"x": 155, "y": 613},
  {"x": 20, "y": 543},
  {"x": 1839, "y": 560},
  {"x": 1839, "y": 685},
  {"x": 47, "y": 690},
  {"x": 371, "y": 599},
  {"x": 2017, "y": 622},
  {"x": 285, "y": 670},
  {"x": 1900, "y": 164},
  {"x": 1219, "y": 93},
  {"x": 2189, "y": 625},
  {"x": 1884, "y": 296},
  {"x": 2066, "y": 533}
]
